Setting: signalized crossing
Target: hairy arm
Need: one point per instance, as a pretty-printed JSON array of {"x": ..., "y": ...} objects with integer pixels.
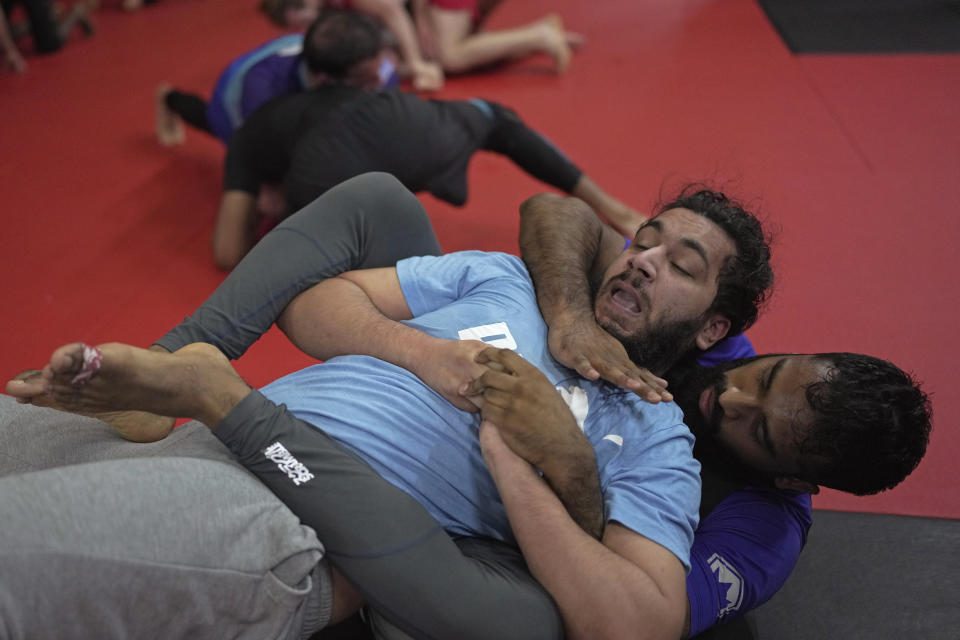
[
  {"x": 567, "y": 251},
  {"x": 623, "y": 587},
  {"x": 535, "y": 422}
]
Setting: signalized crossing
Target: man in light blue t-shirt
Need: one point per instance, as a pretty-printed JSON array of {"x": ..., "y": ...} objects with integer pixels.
[{"x": 407, "y": 422}]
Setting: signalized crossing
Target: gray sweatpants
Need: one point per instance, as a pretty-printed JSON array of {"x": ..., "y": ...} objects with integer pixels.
[{"x": 103, "y": 538}]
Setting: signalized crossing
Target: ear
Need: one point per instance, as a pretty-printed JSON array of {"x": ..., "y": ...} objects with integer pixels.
[
  {"x": 795, "y": 484},
  {"x": 713, "y": 331}
]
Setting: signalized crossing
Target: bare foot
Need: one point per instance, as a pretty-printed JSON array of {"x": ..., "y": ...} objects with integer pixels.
[
  {"x": 169, "y": 127},
  {"x": 195, "y": 382},
  {"x": 138, "y": 426},
  {"x": 555, "y": 42}
]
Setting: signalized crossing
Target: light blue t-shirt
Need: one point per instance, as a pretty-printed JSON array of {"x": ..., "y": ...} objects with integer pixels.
[{"x": 421, "y": 443}]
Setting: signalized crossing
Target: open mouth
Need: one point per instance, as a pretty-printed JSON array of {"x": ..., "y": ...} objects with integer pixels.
[{"x": 626, "y": 299}]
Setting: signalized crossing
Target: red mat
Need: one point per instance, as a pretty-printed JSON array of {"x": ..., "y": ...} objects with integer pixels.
[{"x": 855, "y": 159}]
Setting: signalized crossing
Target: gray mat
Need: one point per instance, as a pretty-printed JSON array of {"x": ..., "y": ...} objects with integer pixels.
[
  {"x": 868, "y": 576},
  {"x": 866, "y": 26}
]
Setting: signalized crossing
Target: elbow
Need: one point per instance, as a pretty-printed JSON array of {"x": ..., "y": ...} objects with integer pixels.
[{"x": 539, "y": 204}]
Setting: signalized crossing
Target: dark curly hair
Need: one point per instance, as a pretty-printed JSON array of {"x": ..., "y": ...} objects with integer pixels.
[
  {"x": 745, "y": 280},
  {"x": 337, "y": 40},
  {"x": 871, "y": 425}
]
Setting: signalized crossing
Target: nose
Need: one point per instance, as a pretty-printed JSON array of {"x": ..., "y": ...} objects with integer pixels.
[
  {"x": 737, "y": 403},
  {"x": 648, "y": 261}
]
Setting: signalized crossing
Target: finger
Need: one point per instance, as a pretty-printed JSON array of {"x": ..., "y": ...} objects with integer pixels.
[
  {"x": 508, "y": 359},
  {"x": 496, "y": 407},
  {"x": 490, "y": 379},
  {"x": 586, "y": 369},
  {"x": 464, "y": 404},
  {"x": 640, "y": 381}
]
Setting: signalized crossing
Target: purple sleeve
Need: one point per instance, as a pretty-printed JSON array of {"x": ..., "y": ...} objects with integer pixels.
[
  {"x": 270, "y": 78},
  {"x": 731, "y": 348},
  {"x": 743, "y": 552}
]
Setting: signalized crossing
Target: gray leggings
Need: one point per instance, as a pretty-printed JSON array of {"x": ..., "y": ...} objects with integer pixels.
[
  {"x": 366, "y": 222},
  {"x": 392, "y": 550}
]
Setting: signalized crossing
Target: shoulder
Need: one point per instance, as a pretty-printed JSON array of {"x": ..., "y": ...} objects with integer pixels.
[
  {"x": 766, "y": 513},
  {"x": 492, "y": 262}
]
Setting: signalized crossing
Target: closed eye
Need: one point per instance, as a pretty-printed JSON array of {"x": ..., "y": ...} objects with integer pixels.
[{"x": 682, "y": 271}]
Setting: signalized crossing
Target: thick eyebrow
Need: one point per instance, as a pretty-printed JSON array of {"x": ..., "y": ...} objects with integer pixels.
[
  {"x": 774, "y": 371},
  {"x": 653, "y": 223}
]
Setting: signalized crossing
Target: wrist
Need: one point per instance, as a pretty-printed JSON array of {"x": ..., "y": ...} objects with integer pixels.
[{"x": 418, "y": 350}]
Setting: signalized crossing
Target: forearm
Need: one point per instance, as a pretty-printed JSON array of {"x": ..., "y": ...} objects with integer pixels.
[
  {"x": 576, "y": 483},
  {"x": 233, "y": 232},
  {"x": 600, "y": 594},
  {"x": 337, "y": 317},
  {"x": 566, "y": 249}
]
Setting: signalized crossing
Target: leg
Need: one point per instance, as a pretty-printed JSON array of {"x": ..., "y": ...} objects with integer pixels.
[
  {"x": 528, "y": 149},
  {"x": 36, "y": 438},
  {"x": 46, "y": 35},
  {"x": 196, "y": 382},
  {"x": 139, "y": 549},
  {"x": 172, "y": 108},
  {"x": 79, "y": 14},
  {"x": 460, "y": 49},
  {"x": 382, "y": 540},
  {"x": 379, "y": 538},
  {"x": 514, "y": 577},
  {"x": 540, "y": 158},
  {"x": 368, "y": 221}
]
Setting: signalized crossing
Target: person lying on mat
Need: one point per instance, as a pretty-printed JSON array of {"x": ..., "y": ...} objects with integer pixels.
[
  {"x": 449, "y": 31},
  {"x": 299, "y": 14},
  {"x": 380, "y": 412},
  {"x": 787, "y": 367},
  {"x": 755, "y": 510},
  {"x": 284, "y": 65},
  {"x": 311, "y": 141}
]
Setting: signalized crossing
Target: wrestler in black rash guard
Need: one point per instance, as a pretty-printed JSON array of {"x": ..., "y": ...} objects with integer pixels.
[{"x": 317, "y": 139}]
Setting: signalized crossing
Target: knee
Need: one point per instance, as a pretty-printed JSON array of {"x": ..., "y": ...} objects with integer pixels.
[
  {"x": 379, "y": 190},
  {"x": 453, "y": 57}
]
